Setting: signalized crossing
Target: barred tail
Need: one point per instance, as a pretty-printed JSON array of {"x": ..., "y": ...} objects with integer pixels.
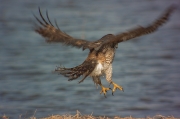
[{"x": 73, "y": 73}]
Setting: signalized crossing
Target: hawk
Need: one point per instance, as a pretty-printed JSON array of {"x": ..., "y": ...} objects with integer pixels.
[{"x": 101, "y": 52}]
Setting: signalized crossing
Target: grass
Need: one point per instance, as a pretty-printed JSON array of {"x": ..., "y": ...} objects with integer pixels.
[{"x": 78, "y": 115}]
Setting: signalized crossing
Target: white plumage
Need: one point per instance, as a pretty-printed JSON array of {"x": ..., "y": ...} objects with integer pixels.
[{"x": 97, "y": 70}]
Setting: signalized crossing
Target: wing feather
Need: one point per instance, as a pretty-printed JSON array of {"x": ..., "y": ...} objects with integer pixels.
[
  {"x": 139, "y": 31},
  {"x": 53, "y": 34}
]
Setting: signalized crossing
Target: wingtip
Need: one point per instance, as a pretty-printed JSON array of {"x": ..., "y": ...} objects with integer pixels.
[{"x": 171, "y": 8}]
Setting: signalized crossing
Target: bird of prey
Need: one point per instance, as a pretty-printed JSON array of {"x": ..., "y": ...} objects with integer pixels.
[{"x": 101, "y": 52}]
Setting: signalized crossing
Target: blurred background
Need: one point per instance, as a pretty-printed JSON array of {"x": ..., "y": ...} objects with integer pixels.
[{"x": 148, "y": 67}]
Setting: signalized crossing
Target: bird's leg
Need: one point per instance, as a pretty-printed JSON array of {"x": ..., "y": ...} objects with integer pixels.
[
  {"x": 108, "y": 73},
  {"x": 116, "y": 86},
  {"x": 97, "y": 80}
]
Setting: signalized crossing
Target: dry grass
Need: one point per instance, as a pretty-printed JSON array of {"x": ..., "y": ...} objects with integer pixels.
[{"x": 78, "y": 115}]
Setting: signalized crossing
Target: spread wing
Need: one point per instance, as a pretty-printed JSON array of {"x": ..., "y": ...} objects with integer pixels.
[
  {"x": 54, "y": 34},
  {"x": 139, "y": 31}
]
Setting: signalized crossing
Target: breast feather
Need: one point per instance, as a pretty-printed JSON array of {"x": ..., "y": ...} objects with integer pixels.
[{"x": 98, "y": 70}]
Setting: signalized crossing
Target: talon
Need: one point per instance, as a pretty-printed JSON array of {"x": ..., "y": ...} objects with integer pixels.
[
  {"x": 112, "y": 93},
  {"x": 122, "y": 89},
  {"x": 116, "y": 86},
  {"x": 104, "y": 90}
]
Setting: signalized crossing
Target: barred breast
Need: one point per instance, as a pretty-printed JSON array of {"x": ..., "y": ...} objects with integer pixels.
[
  {"x": 104, "y": 60},
  {"x": 98, "y": 70}
]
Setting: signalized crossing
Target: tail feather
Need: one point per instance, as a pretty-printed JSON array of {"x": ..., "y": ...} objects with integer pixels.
[{"x": 73, "y": 73}]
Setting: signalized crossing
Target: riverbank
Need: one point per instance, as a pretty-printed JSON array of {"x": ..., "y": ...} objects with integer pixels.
[
  {"x": 78, "y": 115},
  {"x": 102, "y": 117}
]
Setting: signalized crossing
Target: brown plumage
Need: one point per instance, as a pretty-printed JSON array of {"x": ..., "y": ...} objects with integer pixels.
[{"x": 102, "y": 51}]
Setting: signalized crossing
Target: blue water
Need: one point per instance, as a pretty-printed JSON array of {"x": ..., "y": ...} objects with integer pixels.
[{"x": 148, "y": 67}]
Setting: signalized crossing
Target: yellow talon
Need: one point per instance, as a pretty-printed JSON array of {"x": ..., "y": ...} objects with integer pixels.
[
  {"x": 116, "y": 86},
  {"x": 104, "y": 90}
]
